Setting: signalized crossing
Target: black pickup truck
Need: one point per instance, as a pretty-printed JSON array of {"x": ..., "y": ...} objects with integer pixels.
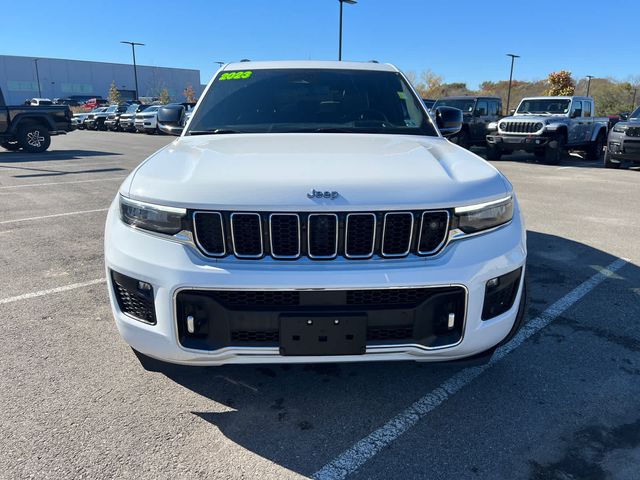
[{"x": 31, "y": 127}]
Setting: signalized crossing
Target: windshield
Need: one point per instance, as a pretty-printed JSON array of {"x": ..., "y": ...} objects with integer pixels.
[
  {"x": 310, "y": 100},
  {"x": 132, "y": 108},
  {"x": 464, "y": 104},
  {"x": 544, "y": 105},
  {"x": 636, "y": 113}
]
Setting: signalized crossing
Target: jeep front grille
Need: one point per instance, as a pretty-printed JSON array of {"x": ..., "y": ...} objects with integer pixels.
[
  {"x": 520, "y": 127},
  {"x": 320, "y": 236},
  {"x": 633, "y": 132}
]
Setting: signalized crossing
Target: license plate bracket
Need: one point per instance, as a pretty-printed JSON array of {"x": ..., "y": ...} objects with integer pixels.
[{"x": 323, "y": 334}]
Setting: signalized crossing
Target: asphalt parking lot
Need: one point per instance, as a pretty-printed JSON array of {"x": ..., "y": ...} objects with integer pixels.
[{"x": 562, "y": 402}]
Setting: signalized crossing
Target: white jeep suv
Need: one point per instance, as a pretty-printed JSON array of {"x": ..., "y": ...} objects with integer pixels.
[{"x": 314, "y": 212}]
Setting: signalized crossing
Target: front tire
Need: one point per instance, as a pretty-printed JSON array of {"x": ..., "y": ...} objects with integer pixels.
[
  {"x": 493, "y": 152},
  {"x": 554, "y": 152},
  {"x": 34, "y": 138},
  {"x": 596, "y": 149}
]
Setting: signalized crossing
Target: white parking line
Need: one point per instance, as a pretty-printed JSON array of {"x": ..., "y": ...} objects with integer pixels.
[
  {"x": 54, "y": 215},
  {"x": 62, "y": 183},
  {"x": 361, "y": 452},
  {"x": 42, "y": 293}
]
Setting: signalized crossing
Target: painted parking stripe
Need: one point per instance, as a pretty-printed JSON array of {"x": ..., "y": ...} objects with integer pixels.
[
  {"x": 53, "y": 216},
  {"x": 352, "y": 459},
  {"x": 42, "y": 293},
  {"x": 26, "y": 185}
]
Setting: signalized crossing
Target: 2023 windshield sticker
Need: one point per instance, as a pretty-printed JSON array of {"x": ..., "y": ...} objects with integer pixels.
[{"x": 236, "y": 75}]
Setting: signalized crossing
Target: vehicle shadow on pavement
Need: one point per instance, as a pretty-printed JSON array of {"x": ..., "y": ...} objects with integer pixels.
[
  {"x": 302, "y": 416},
  {"x": 20, "y": 156}
]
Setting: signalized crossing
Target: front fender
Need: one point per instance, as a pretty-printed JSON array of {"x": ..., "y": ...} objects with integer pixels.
[{"x": 596, "y": 131}]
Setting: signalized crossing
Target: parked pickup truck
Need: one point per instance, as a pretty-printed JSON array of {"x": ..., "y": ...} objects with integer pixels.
[
  {"x": 548, "y": 127},
  {"x": 477, "y": 114},
  {"x": 31, "y": 127}
]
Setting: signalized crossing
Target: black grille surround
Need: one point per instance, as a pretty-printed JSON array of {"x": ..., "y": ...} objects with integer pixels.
[
  {"x": 633, "y": 132},
  {"x": 319, "y": 235},
  {"x": 521, "y": 127}
]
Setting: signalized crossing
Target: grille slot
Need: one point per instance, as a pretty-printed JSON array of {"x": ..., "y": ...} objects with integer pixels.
[
  {"x": 246, "y": 232},
  {"x": 390, "y": 333},
  {"x": 284, "y": 231},
  {"x": 395, "y": 296},
  {"x": 257, "y": 298},
  {"x": 254, "y": 336},
  {"x": 210, "y": 232},
  {"x": 360, "y": 235},
  {"x": 397, "y": 233},
  {"x": 433, "y": 230},
  {"x": 323, "y": 235}
]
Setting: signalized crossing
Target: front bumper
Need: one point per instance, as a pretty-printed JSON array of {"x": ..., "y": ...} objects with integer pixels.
[
  {"x": 172, "y": 267},
  {"x": 519, "y": 142},
  {"x": 622, "y": 147}
]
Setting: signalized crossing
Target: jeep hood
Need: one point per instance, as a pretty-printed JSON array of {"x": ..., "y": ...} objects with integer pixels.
[{"x": 275, "y": 172}]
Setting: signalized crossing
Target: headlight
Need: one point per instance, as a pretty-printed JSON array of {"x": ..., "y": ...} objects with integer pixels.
[
  {"x": 155, "y": 218},
  {"x": 620, "y": 128},
  {"x": 476, "y": 218}
]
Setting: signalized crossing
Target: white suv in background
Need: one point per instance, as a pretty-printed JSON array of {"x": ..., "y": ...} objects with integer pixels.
[
  {"x": 314, "y": 212},
  {"x": 147, "y": 120}
]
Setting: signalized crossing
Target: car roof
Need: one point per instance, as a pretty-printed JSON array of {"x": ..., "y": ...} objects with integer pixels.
[
  {"x": 559, "y": 97},
  {"x": 292, "y": 64}
]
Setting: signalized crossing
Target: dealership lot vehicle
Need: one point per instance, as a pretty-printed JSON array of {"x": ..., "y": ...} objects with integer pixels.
[
  {"x": 127, "y": 119},
  {"x": 146, "y": 120},
  {"x": 30, "y": 127},
  {"x": 478, "y": 114},
  {"x": 237, "y": 192},
  {"x": 623, "y": 143},
  {"x": 82, "y": 405},
  {"x": 112, "y": 122},
  {"x": 548, "y": 126},
  {"x": 91, "y": 120}
]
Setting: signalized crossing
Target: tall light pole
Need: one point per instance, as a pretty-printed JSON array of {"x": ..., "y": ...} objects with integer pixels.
[
  {"x": 513, "y": 58},
  {"x": 35, "y": 60},
  {"x": 589, "y": 77},
  {"x": 350, "y": 2},
  {"x": 135, "y": 68}
]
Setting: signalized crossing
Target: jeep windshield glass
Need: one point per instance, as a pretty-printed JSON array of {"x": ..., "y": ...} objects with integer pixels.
[
  {"x": 544, "y": 105},
  {"x": 310, "y": 100},
  {"x": 466, "y": 105}
]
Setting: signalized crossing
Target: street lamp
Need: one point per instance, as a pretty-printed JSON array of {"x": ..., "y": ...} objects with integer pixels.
[
  {"x": 350, "y": 2},
  {"x": 135, "y": 68},
  {"x": 589, "y": 77},
  {"x": 513, "y": 58},
  {"x": 219, "y": 63},
  {"x": 35, "y": 60}
]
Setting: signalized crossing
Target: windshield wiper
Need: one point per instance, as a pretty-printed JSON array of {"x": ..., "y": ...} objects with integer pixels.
[{"x": 215, "y": 131}]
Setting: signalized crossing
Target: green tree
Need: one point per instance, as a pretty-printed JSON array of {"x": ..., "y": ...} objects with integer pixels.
[
  {"x": 190, "y": 94},
  {"x": 114, "y": 94},
  {"x": 560, "y": 83},
  {"x": 164, "y": 96}
]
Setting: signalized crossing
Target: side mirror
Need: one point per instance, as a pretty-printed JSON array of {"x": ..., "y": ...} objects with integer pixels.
[
  {"x": 448, "y": 120},
  {"x": 170, "y": 119}
]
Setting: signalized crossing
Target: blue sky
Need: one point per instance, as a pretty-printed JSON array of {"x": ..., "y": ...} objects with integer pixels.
[{"x": 464, "y": 41}]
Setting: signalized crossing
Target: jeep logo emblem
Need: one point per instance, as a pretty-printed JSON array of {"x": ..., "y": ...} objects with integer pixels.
[{"x": 320, "y": 194}]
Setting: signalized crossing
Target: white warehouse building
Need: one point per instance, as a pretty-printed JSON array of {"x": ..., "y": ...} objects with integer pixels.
[{"x": 60, "y": 78}]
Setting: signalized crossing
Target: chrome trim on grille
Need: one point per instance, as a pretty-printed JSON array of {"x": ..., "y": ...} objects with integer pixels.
[
  {"x": 384, "y": 228},
  {"x": 233, "y": 240},
  {"x": 444, "y": 237},
  {"x": 196, "y": 236},
  {"x": 290, "y": 257},
  {"x": 322, "y": 257},
  {"x": 373, "y": 237}
]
